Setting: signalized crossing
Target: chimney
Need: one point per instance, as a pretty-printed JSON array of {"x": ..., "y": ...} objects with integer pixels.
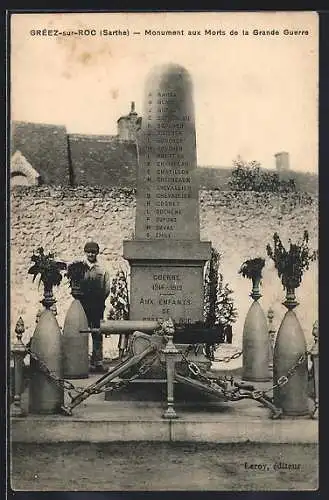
[
  {"x": 132, "y": 109},
  {"x": 282, "y": 161}
]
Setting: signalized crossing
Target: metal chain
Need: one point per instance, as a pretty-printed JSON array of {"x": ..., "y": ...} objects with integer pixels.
[
  {"x": 196, "y": 371},
  {"x": 120, "y": 384},
  {"x": 211, "y": 382},
  {"x": 283, "y": 380},
  {"x": 60, "y": 382},
  {"x": 67, "y": 385},
  {"x": 193, "y": 367},
  {"x": 226, "y": 359},
  {"x": 145, "y": 366}
]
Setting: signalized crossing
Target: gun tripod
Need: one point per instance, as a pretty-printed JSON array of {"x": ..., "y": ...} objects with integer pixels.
[{"x": 144, "y": 350}]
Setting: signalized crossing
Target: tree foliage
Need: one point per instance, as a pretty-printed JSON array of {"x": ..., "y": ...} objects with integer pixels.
[
  {"x": 119, "y": 297},
  {"x": 218, "y": 302},
  {"x": 248, "y": 176}
]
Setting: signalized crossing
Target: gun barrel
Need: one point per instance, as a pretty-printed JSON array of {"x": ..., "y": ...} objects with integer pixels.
[{"x": 127, "y": 326}]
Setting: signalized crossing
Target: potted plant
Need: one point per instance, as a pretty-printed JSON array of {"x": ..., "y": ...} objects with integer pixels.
[
  {"x": 290, "y": 370},
  {"x": 252, "y": 269},
  {"x": 291, "y": 264},
  {"x": 75, "y": 274},
  {"x": 49, "y": 270}
]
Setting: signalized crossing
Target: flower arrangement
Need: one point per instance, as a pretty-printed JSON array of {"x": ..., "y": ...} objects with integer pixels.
[
  {"x": 252, "y": 268},
  {"x": 76, "y": 271},
  {"x": 291, "y": 263},
  {"x": 47, "y": 267}
]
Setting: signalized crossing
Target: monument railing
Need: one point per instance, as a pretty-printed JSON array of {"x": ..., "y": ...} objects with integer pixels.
[{"x": 169, "y": 355}]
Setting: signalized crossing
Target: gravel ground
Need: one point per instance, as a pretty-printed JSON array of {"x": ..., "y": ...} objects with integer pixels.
[{"x": 143, "y": 466}]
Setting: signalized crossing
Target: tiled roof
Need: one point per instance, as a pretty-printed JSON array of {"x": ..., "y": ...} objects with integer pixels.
[
  {"x": 102, "y": 160},
  {"x": 45, "y": 148}
]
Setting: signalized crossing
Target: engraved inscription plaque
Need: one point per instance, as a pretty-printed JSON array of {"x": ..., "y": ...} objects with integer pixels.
[{"x": 162, "y": 292}]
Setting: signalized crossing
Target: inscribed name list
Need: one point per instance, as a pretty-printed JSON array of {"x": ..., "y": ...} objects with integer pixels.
[{"x": 167, "y": 194}]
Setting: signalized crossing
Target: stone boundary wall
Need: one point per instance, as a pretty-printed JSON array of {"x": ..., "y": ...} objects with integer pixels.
[{"x": 239, "y": 224}]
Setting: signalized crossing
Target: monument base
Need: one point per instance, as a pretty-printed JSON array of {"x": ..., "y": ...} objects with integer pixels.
[{"x": 166, "y": 279}]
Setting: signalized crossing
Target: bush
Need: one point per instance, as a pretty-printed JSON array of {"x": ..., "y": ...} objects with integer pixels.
[
  {"x": 248, "y": 176},
  {"x": 119, "y": 298},
  {"x": 218, "y": 304}
]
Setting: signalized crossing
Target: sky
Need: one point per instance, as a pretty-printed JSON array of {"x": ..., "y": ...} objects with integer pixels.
[{"x": 254, "y": 95}]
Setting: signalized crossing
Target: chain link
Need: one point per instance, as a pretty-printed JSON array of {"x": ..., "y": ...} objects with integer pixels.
[
  {"x": 193, "y": 368},
  {"x": 197, "y": 372},
  {"x": 284, "y": 379},
  {"x": 227, "y": 359},
  {"x": 60, "y": 382}
]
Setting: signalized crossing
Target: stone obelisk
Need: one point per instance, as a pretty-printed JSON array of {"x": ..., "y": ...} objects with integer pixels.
[{"x": 167, "y": 257}]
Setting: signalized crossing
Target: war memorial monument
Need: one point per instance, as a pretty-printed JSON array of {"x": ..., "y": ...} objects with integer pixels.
[{"x": 165, "y": 334}]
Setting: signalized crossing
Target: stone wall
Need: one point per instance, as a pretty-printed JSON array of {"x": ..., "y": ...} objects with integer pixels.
[{"x": 238, "y": 224}]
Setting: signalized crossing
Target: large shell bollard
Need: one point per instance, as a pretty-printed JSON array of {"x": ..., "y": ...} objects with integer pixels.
[
  {"x": 255, "y": 343},
  {"x": 290, "y": 345},
  {"x": 75, "y": 342},
  {"x": 45, "y": 396}
]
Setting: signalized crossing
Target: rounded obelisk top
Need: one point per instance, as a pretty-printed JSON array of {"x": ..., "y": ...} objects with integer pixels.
[
  {"x": 169, "y": 77},
  {"x": 169, "y": 70}
]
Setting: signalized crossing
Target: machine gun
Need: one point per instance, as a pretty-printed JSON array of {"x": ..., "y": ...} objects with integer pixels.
[{"x": 145, "y": 348}]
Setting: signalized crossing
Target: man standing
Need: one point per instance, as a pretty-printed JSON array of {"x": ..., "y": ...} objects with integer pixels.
[{"x": 95, "y": 288}]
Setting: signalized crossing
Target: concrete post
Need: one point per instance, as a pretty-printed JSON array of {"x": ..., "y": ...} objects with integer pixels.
[
  {"x": 172, "y": 355},
  {"x": 271, "y": 340},
  {"x": 18, "y": 352},
  {"x": 315, "y": 363}
]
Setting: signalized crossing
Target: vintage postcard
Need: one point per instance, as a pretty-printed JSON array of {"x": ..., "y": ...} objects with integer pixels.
[{"x": 164, "y": 251}]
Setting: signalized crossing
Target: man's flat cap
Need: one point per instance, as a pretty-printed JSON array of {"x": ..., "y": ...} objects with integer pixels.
[{"x": 91, "y": 246}]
